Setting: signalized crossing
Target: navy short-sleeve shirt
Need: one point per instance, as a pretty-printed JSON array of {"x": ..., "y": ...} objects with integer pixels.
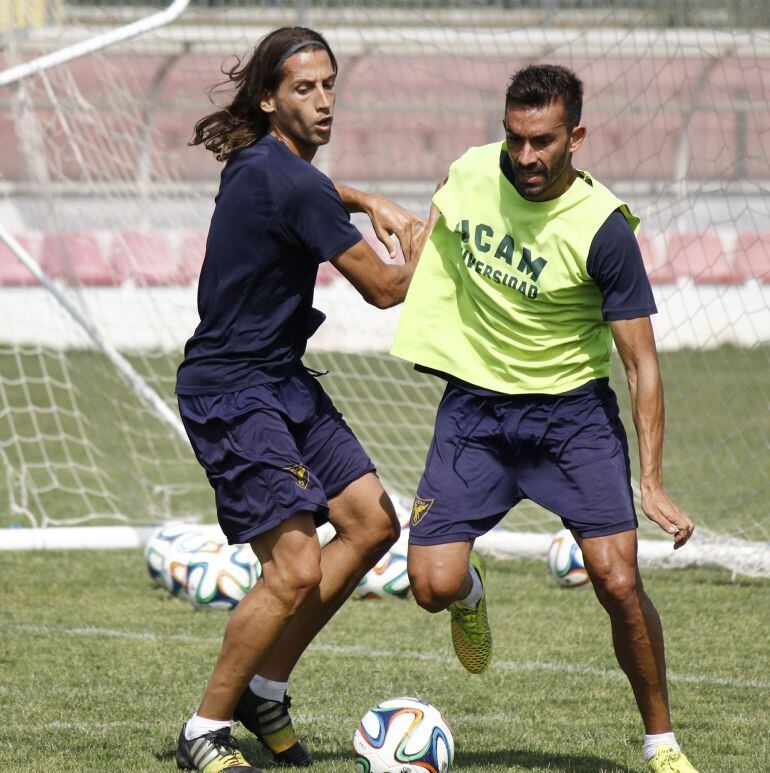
[
  {"x": 615, "y": 263},
  {"x": 276, "y": 219}
]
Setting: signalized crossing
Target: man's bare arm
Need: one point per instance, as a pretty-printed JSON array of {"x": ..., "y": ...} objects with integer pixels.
[
  {"x": 387, "y": 218},
  {"x": 381, "y": 284},
  {"x": 635, "y": 342}
]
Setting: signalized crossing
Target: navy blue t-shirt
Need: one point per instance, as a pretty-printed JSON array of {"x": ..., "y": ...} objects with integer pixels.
[
  {"x": 276, "y": 219},
  {"x": 615, "y": 263}
]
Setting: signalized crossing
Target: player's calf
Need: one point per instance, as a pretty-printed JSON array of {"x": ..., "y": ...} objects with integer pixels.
[{"x": 270, "y": 722}]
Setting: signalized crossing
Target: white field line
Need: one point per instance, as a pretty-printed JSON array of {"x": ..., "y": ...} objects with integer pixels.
[
  {"x": 329, "y": 720},
  {"x": 365, "y": 652}
]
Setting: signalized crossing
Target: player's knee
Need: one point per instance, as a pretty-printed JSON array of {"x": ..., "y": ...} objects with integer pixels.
[
  {"x": 294, "y": 585},
  {"x": 387, "y": 531},
  {"x": 617, "y": 586},
  {"x": 433, "y": 592},
  {"x": 377, "y": 532},
  {"x": 364, "y": 517}
]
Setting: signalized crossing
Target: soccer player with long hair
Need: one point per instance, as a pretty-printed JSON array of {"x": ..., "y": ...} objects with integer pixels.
[
  {"x": 531, "y": 271},
  {"x": 279, "y": 456}
]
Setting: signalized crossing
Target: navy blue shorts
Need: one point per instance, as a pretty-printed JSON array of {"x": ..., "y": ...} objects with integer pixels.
[
  {"x": 566, "y": 452},
  {"x": 270, "y": 451}
]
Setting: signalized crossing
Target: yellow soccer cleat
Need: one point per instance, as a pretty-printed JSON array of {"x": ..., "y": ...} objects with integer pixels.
[
  {"x": 668, "y": 760},
  {"x": 212, "y": 753},
  {"x": 471, "y": 636}
]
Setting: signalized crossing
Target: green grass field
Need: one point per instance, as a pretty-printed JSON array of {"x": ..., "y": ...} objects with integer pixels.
[
  {"x": 98, "y": 669},
  {"x": 75, "y": 440}
]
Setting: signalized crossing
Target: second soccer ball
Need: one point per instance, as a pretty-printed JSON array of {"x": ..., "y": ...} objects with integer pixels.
[
  {"x": 220, "y": 578},
  {"x": 565, "y": 561},
  {"x": 387, "y": 579}
]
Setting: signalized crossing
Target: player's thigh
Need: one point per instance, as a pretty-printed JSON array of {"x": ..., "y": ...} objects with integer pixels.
[
  {"x": 363, "y": 512},
  {"x": 469, "y": 482},
  {"x": 611, "y": 562},
  {"x": 290, "y": 555},
  {"x": 579, "y": 467},
  {"x": 251, "y": 460},
  {"x": 338, "y": 459},
  {"x": 438, "y": 569}
]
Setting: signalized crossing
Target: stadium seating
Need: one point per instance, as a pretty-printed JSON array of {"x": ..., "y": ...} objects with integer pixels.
[
  {"x": 13, "y": 273},
  {"x": 146, "y": 258},
  {"x": 659, "y": 270},
  {"x": 77, "y": 257},
  {"x": 752, "y": 257},
  {"x": 403, "y": 134},
  {"x": 699, "y": 256},
  {"x": 192, "y": 249},
  {"x": 162, "y": 258}
]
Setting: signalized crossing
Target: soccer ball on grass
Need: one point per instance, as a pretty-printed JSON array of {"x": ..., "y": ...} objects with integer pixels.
[{"x": 403, "y": 735}]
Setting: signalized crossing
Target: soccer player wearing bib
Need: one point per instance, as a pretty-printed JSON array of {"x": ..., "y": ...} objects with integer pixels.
[
  {"x": 530, "y": 273},
  {"x": 277, "y": 453}
]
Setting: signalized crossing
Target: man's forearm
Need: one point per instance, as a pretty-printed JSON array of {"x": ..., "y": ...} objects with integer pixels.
[
  {"x": 354, "y": 200},
  {"x": 649, "y": 417}
]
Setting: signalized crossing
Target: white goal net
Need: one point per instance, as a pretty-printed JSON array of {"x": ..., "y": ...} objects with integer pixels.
[{"x": 104, "y": 211}]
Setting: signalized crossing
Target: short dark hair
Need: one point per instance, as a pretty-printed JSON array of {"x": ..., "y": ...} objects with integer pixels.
[
  {"x": 242, "y": 122},
  {"x": 539, "y": 85}
]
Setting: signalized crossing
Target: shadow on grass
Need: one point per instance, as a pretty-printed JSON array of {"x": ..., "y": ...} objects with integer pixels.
[
  {"x": 165, "y": 755},
  {"x": 532, "y": 760},
  {"x": 520, "y": 758}
]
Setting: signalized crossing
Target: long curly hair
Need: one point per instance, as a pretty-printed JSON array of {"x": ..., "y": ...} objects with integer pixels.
[{"x": 242, "y": 122}]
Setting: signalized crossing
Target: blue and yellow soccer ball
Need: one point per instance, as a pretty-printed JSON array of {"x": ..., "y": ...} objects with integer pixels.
[
  {"x": 387, "y": 579},
  {"x": 565, "y": 561},
  {"x": 221, "y": 578},
  {"x": 403, "y": 735}
]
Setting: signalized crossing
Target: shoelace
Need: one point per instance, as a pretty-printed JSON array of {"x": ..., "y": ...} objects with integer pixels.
[
  {"x": 471, "y": 618},
  {"x": 668, "y": 759},
  {"x": 225, "y": 743}
]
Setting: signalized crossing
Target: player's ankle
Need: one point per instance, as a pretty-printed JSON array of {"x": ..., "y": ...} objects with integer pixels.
[
  {"x": 268, "y": 689},
  {"x": 197, "y": 726},
  {"x": 476, "y": 591},
  {"x": 652, "y": 741}
]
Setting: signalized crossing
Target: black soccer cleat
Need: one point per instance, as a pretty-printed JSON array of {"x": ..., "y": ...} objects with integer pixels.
[
  {"x": 271, "y": 723},
  {"x": 212, "y": 753}
]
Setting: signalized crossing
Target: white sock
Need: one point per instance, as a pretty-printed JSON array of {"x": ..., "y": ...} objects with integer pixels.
[
  {"x": 474, "y": 596},
  {"x": 197, "y": 726},
  {"x": 267, "y": 688},
  {"x": 652, "y": 742}
]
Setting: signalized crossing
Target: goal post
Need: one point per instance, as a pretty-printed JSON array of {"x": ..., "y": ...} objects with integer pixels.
[{"x": 99, "y": 189}]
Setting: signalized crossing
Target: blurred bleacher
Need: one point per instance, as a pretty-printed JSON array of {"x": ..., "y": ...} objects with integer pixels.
[
  {"x": 165, "y": 258},
  {"x": 663, "y": 115}
]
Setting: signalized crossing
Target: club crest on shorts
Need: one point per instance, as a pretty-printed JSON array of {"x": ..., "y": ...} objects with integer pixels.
[
  {"x": 420, "y": 509},
  {"x": 301, "y": 474}
]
